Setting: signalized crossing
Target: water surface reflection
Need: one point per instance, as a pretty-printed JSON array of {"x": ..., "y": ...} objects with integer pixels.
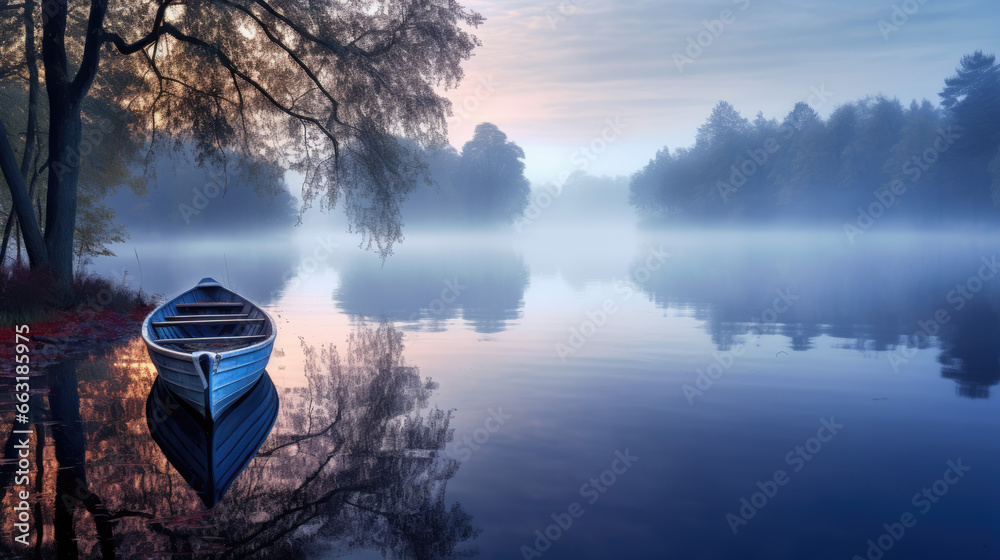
[
  {"x": 485, "y": 286},
  {"x": 889, "y": 295},
  {"x": 354, "y": 458}
]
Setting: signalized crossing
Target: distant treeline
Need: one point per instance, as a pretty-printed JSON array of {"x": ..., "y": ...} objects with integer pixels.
[
  {"x": 922, "y": 164},
  {"x": 482, "y": 185},
  {"x": 184, "y": 198}
]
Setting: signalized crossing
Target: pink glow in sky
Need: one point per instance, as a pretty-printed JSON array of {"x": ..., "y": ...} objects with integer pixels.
[{"x": 551, "y": 73}]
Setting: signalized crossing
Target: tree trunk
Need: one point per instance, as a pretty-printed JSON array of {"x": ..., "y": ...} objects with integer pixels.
[
  {"x": 70, "y": 445},
  {"x": 65, "y": 128},
  {"x": 29, "y": 137},
  {"x": 31, "y": 60},
  {"x": 32, "y": 234},
  {"x": 6, "y": 236},
  {"x": 66, "y": 93}
]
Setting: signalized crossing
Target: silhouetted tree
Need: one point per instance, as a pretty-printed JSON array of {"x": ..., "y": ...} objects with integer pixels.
[
  {"x": 484, "y": 185},
  {"x": 490, "y": 176},
  {"x": 725, "y": 127},
  {"x": 922, "y": 127},
  {"x": 321, "y": 87},
  {"x": 805, "y": 169},
  {"x": 799, "y": 170},
  {"x": 651, "y": 192},
  {"x": 436, "y": 202},
  {"x": 843, "y": 127},
  {"x": 972, "y": 99}
]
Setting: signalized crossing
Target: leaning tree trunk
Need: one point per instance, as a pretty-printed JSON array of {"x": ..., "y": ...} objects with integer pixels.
[
  {"x": 22, "y": 203},
  {"x": 8, "y": 225},
  {"x": 29, "y": 136}
]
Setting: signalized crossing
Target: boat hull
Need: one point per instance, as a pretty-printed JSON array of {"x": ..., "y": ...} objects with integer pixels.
[{"x": 230, "y": 375}]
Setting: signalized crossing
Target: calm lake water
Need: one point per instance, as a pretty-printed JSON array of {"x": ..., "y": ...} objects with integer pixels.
[{"x": 594, "y": 394}]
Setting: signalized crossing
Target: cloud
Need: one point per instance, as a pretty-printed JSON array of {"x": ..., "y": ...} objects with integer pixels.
[{"x": 563, "y": 66}]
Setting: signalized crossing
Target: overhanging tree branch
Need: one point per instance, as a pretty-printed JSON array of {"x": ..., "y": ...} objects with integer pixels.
[
  {"x": 333, "y": 46},
  {"x": 295, "y": 58},
  {"x": 149, "y": 39},
  {"x": 229, "y": 65},
  {"x": 359, "y": 77}
]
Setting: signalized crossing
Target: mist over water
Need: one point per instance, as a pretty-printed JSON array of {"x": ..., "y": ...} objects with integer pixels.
[
  {"x": 558, "y": 281},
  {"x": 710, "y": 355}
]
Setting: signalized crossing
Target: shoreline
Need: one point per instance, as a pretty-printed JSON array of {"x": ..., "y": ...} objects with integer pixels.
[{"x": 67, "y": 336}]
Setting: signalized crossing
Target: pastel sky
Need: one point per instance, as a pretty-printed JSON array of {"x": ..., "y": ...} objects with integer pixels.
[{"x": 552, "y": 74}]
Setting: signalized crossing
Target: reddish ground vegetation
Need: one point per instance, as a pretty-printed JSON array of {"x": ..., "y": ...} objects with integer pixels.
[{"x": 93, "y": 312}]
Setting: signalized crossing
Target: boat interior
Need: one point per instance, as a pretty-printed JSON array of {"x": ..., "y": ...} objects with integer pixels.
[{"x": 209, "y": 316}]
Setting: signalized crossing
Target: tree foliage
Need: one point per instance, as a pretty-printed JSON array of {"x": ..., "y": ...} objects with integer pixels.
[
  {"x": 322, "y": 87},
  {"x": 484, "y": 185},
  {"x": 492, "y": 171},
  {"x": 107, "y": 167},
  {"x": 806, "y": 168}
]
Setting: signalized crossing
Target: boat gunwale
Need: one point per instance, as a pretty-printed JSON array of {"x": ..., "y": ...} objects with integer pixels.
[{"x": 147, "y": 331}]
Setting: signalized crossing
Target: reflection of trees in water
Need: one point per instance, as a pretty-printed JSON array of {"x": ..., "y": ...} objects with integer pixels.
[
  {"x": 870, "y": 295},
  {"x": 353, "y": 459},
  {"x": 970, "y": 353},
  {"x": 485, "y": 285},
  {"x": 859, "y": 293},
  {"x": 89, "y": 441}
]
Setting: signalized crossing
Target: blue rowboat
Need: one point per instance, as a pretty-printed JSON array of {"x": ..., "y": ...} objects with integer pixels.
[
  {"x": 210, "y": 345},
  {"x": 211, "y": 455}
]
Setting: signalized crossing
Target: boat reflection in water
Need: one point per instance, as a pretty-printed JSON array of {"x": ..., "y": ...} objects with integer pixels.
[{"x": 208, "y": 454}]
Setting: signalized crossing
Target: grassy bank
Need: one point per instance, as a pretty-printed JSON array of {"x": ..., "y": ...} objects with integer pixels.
[{"x": 31, "y": 297}]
